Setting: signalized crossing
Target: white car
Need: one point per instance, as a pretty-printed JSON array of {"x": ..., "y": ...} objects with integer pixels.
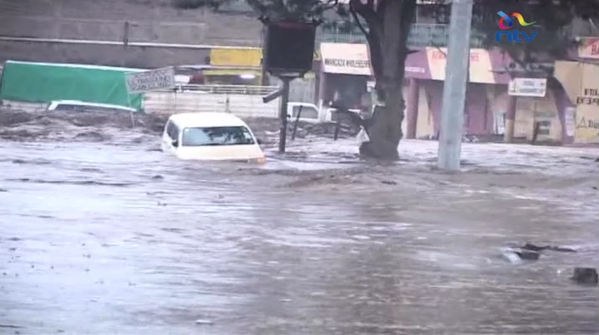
[
  {"x": 310, "y": 113},
  {"x": 211, "y": 136},
  {"x": 81, "y": 106}
]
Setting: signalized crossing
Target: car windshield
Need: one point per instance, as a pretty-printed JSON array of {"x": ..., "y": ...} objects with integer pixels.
[
  {"x": 65, "y": 107},
  {"x": 193, "y": 137}
]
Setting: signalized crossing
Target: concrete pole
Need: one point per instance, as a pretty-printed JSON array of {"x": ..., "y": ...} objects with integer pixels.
[{"x": 454, "y": 89}]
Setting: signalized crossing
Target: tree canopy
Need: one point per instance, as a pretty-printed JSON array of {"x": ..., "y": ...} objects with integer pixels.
[{"x": 554, "y": 18}]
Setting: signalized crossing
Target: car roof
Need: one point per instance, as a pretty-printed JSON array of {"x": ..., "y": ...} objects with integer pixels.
[
  {"x": 207, "y": 119},
  {"x": 90, "y": 104}
]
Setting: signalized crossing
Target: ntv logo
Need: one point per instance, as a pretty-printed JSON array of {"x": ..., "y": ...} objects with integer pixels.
[{"x": 513, "y": 36}]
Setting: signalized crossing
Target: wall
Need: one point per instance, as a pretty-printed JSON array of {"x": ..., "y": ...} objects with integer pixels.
[
  {"x": 300, "y": 90},
  {"x": 110, "y": 55},
  {"x": 587, "y": 106},
  {"x": 579, "y": 100},
  {"x": 242, "y": 105},
  {"x": 148, "y": 21},
  {"x": 24, "y": 106}
]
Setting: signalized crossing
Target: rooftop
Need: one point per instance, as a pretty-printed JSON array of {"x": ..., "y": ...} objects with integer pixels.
[{"x": 207, "y": 119}]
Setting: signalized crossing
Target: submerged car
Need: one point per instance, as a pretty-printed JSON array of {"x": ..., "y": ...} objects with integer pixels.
[
  {"x": 211, "y": 136},
  {"x": 82, "y": 106}
]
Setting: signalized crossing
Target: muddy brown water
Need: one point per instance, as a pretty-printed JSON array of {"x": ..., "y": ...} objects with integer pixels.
[{"x": 102, "y": 234}]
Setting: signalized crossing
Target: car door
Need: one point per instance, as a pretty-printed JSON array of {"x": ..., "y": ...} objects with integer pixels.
[
  {"x": 171, "y": 133},
  {"x": 307, "y": 113}
]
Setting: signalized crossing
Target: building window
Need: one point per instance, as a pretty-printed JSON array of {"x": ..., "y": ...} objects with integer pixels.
[{"x": 544, "y": 128}]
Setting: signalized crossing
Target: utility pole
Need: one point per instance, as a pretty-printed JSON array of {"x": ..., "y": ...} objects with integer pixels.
[
  {"x": 454, "y": 89},
  {"x": 283, "y": 114}
]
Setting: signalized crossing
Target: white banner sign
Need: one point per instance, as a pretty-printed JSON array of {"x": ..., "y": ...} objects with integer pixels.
[
  {"x": 140, "y": 82},
  {"x": 345, "y": 58},
  {"x": 570, "y": 120},
  {"x": 528, "y": 87}
]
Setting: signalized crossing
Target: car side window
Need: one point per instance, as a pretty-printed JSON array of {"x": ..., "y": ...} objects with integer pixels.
[
  {"x": 172, "y": 130},
  {"x": 307, "y": 112},
  {"x": 65, "y": 107}
]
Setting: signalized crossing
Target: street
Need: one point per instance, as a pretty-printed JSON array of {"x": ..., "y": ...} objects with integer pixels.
[{"x": 114, "y": 237}]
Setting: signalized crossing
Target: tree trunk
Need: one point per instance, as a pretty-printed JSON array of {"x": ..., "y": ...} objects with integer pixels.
[
  {"x": 389, "y": 25},
  {"x": 384, "y": 128}
]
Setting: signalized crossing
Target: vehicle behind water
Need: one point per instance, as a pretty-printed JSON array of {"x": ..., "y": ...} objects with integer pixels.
[
  {"x": 82, "y": 106},
  {"x": 310, "y": 113},
  {"x": 211, "y": 136}
]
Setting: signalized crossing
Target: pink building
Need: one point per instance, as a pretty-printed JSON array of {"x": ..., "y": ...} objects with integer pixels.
[{"x": 345, "y": 67}]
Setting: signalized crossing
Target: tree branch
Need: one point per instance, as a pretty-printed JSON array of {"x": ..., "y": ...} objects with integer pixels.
[
  {"x": 373, "y": 35},
  {"x": 592, "y": 23},
  {"x": 358, "y": 23}
]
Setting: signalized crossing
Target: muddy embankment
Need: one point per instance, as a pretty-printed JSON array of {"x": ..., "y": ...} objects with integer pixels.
[{"x": 17, "y": 125}]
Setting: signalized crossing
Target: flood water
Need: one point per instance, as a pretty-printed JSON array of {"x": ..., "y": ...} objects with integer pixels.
[{"x": 107, "y": 238}]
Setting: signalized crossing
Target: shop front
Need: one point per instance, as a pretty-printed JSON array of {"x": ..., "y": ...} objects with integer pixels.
[
  {"x": 581, "y": 83},
  {"x": 344, "y": 75}
]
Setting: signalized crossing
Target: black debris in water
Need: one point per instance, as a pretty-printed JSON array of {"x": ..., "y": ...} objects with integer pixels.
[
  {"x": 585, "y": 276},
  {"x": 530, "y": 252},
  {"x": 536, "y": 248},
  {"x": 528, "y": 255}
]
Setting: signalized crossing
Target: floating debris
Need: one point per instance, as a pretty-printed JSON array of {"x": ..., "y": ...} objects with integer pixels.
[
  {"x": 585, "y": 276},
  {"x": 204, "y": 322}
]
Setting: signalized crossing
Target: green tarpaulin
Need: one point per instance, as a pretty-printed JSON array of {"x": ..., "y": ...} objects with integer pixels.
[{"x": 46, "y": 82}]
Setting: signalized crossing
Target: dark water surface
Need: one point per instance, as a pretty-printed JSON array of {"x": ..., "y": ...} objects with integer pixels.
[{"x": 104, "y": 239}]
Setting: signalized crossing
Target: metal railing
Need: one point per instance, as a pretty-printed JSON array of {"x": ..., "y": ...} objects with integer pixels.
[
  {"x": 422, "y": 35},
  {"x": 227, "y": 89}
]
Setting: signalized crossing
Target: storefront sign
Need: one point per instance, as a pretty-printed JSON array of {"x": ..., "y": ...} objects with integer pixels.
[
  {"x": 528, "y": 87},
  {"x": 152, "y": 80},
  {"x": 414, "y": 69},
  {"x": 345, "y": 58},
  {"x": 589, "y": 96},
  {"x": 242, "y": 57},
  {"x": 589, "y": 48},
  {"x": 481, "y": 69},
  {"x": 441, "y": 53}
]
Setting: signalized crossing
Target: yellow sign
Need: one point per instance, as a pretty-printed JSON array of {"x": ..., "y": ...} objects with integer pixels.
[
  {"x": 242, "y": 57},
  {"x": 236, "y": 57},
  {"x": 587, "y": 106}
]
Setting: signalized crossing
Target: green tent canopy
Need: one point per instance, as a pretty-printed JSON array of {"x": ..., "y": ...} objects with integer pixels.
[{"x": 46, "y": 82}]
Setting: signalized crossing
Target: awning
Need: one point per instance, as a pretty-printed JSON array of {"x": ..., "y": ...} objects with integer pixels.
[{"x": 481, "y": 69}]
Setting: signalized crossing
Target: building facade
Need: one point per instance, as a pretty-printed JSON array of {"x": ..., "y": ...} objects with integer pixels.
[{"x": 345, "y": 72}]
